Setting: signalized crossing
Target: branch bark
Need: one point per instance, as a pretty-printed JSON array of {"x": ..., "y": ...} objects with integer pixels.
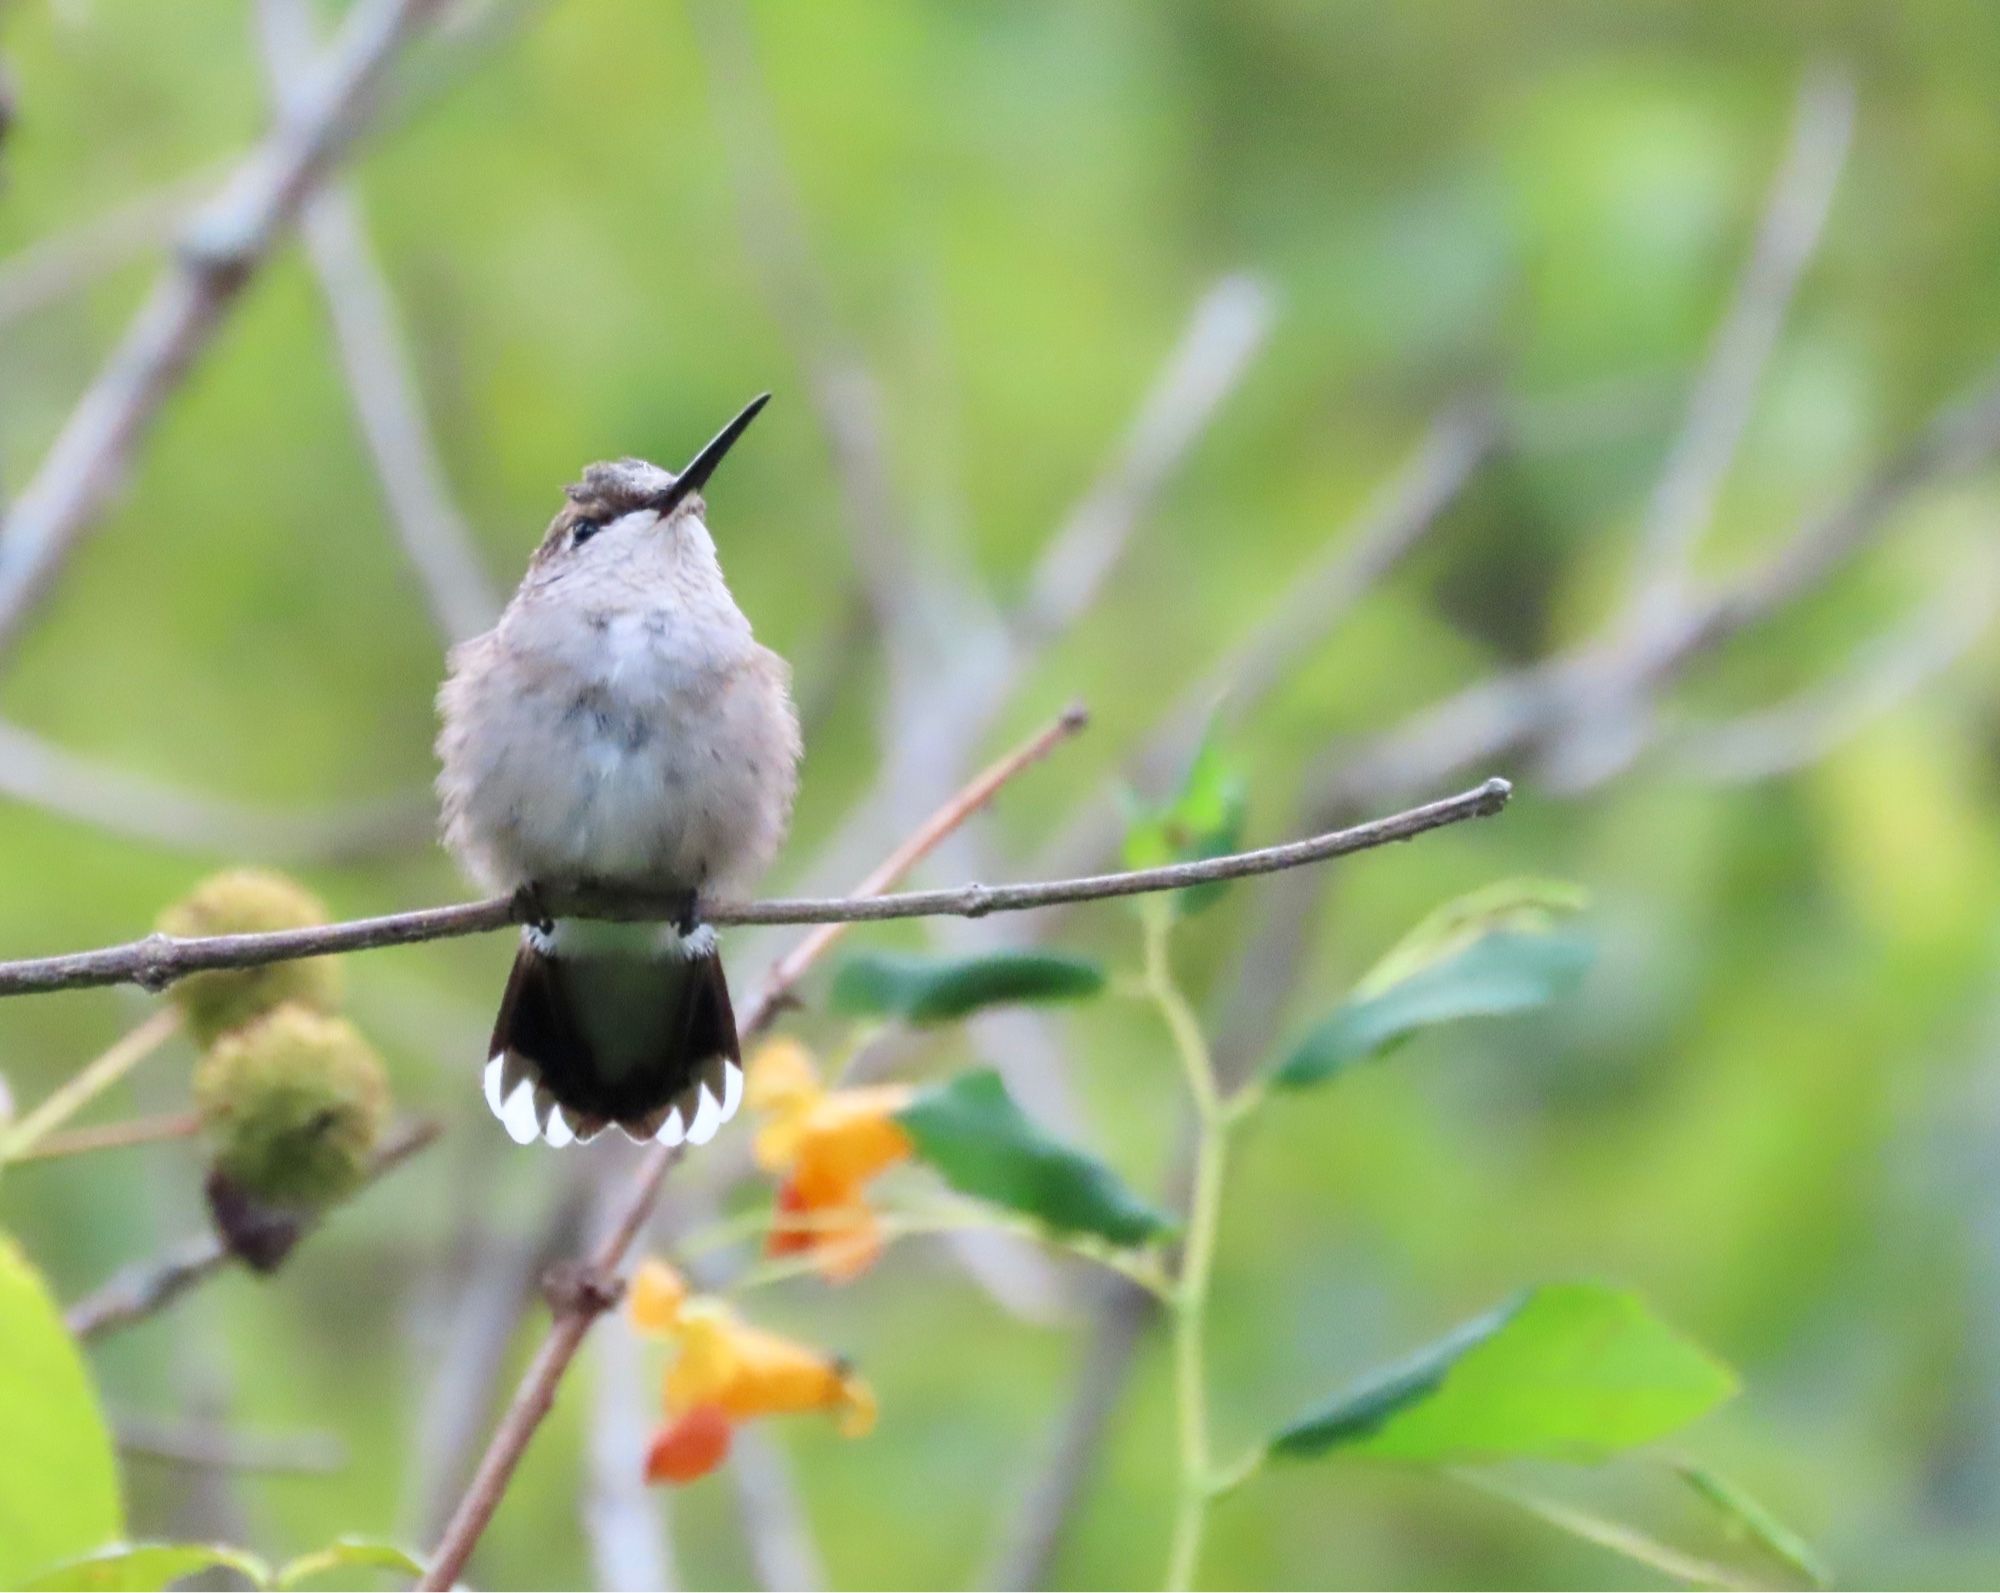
[
  {"x": 581, "y": 1307},
  {"x": 434, "y": 534},
  {"x": 145, "y": 1291},
  {"x": 159, "y": 960},
  {"x": 228, "y": 241}
]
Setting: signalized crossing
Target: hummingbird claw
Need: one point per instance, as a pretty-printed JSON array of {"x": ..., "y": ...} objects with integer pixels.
[{"x": 532, "y": 909}]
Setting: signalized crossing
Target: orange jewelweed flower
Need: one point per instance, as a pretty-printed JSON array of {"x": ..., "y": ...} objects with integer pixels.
[
  {"x": 827, "y": 1145},
  {"x": 726, "y": 1371}
]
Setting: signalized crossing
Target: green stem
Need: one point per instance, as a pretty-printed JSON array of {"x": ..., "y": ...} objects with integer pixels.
[
  {"x": 1197, "y": 1270},
  {"x": 119, "y": 1059},
  {"x": 1606, "y": 1534}
]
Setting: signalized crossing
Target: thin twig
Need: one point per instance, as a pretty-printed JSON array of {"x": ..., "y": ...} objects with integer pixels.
[
  {"x": 536, "y": 1393},
  {"x": 1884, "y": 672},
  {"x": 159, "y": 960},
  {"x": 213, "y": 1448},
  {"x": 622, "y": 1517},
  {"x": 1228, "y": 328},
  {"x": 1606, "y": 1534},
  {"x": 112, "y": 1136},
  {"x": 1527, "y": 709},
  {"x": 1615, "y": 715},
  {"x": 964, "y": 687},
  {"x": 1396, "y": 518},
  {"x": 925, "y": 838},
  {"x": 89, "y": 1082},
  {"x": 469, "y": 1346},
  {"x": 778, "y": 246},
  {"x": 774, "y": 1518},
  {"x": 434, "y": 534},
  {"x": 51, "y": 268},
  {"x": 46, "y": 776},
  {"x": 146, "y": 1290},
  {"x": 222, "y": 250},
  {"x": 1034, "y": 1533},
  {"x": 1683, "y": 500}
]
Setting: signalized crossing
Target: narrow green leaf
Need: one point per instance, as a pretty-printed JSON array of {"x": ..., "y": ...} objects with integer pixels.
[
  {"x": 928, "y": 990},
  {"x": 58, "y": 1475},
  {"x": 1749, "y": 1520},
  {"x": 347, "y": 1555},
  {"x": 1204, "y": 818},
  {"x": 147, "y": 1567},
  {"x": 1497, "y": 951},
  {"x": 983, "y": 1145},
  {"x": 1568, "y": 1372}
]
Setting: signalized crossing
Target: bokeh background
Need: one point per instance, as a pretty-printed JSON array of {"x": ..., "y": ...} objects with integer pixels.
[{"x": 962, "y": 244}]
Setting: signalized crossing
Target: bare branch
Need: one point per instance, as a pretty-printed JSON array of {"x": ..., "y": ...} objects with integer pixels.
[
  {"x": 1229, "y": 326},
  {"x": 846, "y": 399},
  {"x": 621, "y": 1515},
  {"x": 159, "y": 960},
  {"x": 216, "y": 1448},
  {"x": 468, "y": 1339},
  {"x": 1683, "y": 501},
  {"x": 220, "y": 253},
  {"x": 435, "y": 535},
  {"x": 1882, "y": 674},
  {"x": 1531, "y": 708},
  {"x": 573, "y": 1320},
  {"x": 1033, "y": 1535},
  {"x": 774, "y": 1517},
  {"x": 54, "y": 267},
  {"x": 1395, "y": 519},
  {"x": 932, "y": 833},
  {"x": 43, "y": 775},
  {"x": 962, "y": 689},
  {"x": 149, "y": 1289},
  {"x": 112, "y": 1136}
]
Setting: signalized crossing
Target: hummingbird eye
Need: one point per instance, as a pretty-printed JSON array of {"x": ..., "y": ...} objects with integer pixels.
[{"x": 583, "y": 531}]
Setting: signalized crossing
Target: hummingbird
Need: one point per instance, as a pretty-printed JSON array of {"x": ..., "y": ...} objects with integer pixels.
[{"x": 619, "y": 729}]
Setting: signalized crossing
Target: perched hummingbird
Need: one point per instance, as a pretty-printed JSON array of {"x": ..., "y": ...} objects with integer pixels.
[{"x": 619, "y": 728}]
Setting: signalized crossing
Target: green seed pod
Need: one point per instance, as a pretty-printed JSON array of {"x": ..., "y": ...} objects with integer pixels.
[
  {"x": 294, "y": 1102},
  {"x": 248, "y": 901}
]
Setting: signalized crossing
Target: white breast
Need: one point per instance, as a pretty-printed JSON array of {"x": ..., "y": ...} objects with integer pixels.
[{"x": 627, "y": 729}]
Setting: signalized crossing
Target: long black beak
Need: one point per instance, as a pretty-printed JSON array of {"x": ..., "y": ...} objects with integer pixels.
[{"x": 702, "y": 466}]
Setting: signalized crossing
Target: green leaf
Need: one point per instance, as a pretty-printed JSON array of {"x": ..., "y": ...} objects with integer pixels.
[
  {"x": 1497, "y": 951},
  {"x": 1751, "y": 1521},
  {"x": 58, "y": 1475},
  {"x": 1203, "y": 819},
  {"x": 140, "y": 1567},
  {"x": 347, "y": 1555},
  {"x": 927, "y": 990},
  {"x": 1570, "y": 1371},
  {"x": 983, "y": 1145}
]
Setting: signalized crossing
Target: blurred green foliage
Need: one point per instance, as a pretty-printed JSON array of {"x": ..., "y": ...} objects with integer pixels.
[{"x": 1771, "y": 1111}]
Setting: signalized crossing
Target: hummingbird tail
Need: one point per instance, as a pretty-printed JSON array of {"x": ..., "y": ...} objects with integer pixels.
[{"x": 643, "y": 1038}]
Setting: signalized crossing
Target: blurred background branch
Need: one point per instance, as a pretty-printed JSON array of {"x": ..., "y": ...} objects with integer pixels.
[{"x": 223, "y": 246}]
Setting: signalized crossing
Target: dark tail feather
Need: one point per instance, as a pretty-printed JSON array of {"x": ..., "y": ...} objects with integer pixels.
[{"x": 646, "y": 1042}]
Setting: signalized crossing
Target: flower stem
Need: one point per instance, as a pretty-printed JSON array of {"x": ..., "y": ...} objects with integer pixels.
[
  {"x": 119, "y": 1059},
  {"x": 1197, "y": 1269}
]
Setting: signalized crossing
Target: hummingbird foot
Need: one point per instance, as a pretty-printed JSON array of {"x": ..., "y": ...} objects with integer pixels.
[
  {"x": 684, "y": 910},
  {"x": 531, "y": 908}
]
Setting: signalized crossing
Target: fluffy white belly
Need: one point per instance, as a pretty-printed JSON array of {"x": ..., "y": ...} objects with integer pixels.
[{"x": 633, "y": 746}]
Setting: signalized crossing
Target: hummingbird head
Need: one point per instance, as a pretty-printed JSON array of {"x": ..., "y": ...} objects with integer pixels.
[{"x": 617, "y": 507}]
